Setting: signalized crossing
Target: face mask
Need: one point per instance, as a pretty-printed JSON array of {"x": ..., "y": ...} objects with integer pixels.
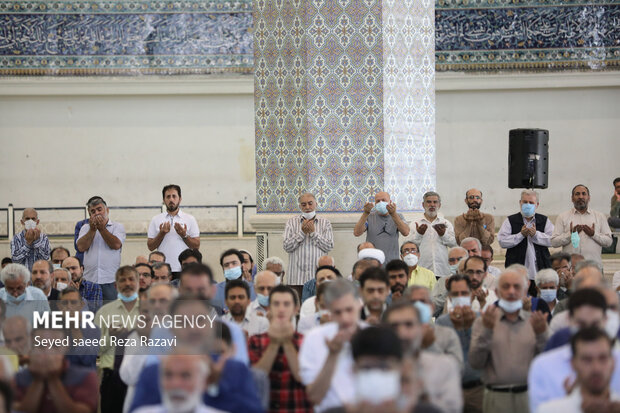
[
  {"x": 528, "y": 210},
  {"x": 424, "y": 310},
  {"x": 232, "y": 273},
  {"x": 56, "y": 266},
  {"x": 461, "y": 301},
  {"x": 17, "y": 299},
  {"x": 308, "y": 215},
  {"x": 381, "y": 207},
  {"x": 613, "y": 324},
  {"x": 322, "y": 313},
  {"x": 510, "y": 306},
  {"x": 548, "y": 295},
  {"x": 30, "y": 224},
  {"x": 376, "y": 386},
  {"x": 61, "y": 286},
  {"x": 454, "y": 268},
  {"x": 125, "y": 299},
  {"x": 411, "y": 260},
  {"x": 574, "y": 239},
  {"x": 263, "y": 300}
]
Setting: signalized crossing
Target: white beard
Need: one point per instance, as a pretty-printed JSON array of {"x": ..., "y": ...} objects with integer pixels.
[{"x": 189, "y": 404}]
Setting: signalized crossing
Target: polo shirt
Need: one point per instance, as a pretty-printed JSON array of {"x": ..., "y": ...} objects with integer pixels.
[
  {"x": 101, "y": 261},
  {"x": 173, "y": 245}
]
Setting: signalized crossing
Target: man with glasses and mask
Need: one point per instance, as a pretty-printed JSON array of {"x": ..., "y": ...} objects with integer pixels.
[
  {"x": 482, "y": 284},
  {"x": 101, "y": 241},
  {"x": 474, "y": 223},
  {"x": 418, "y": 275}
]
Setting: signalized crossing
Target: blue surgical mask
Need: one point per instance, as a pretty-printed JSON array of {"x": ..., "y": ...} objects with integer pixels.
[
  {"x": 510, "y": 306},
  {"x": 263, "y": 300},
  {"x": 461, "y": 301},
  {"x": 17, "y": 299},
  {"x": 574, "y": 239},
  {"x": 424, "y": 310},
  {"x": 125, "y": 299},
  {"x": 232, "y": 273},
  {"x": 528, "y": 210},
  {"x": 381, "y": 207},
  {"x": 548, "y": 295},
  {"x": 454, "y": 268}
]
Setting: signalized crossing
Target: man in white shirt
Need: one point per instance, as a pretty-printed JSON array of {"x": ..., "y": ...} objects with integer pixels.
[
  {"x": 581, "y": 229},
  {"x": 173, "y": 231},
  {"x": 593, "y": 363},
  {"x": 237, "y": 295},
  {"x": 20, "y": 298},
  {"x": 526, "y": 236},
  {"x": 101, "y": 241},
  {"x": 325, "y": 359},
  {"x": 434, "y": 235}
]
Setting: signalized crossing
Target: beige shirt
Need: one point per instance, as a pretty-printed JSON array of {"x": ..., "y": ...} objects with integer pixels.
[
  {"x": 504, "y": 354},
  {"x": 589, "y": 247},
  {"x": 114, "y": 314},
  {"x": 483, "y": 229}
]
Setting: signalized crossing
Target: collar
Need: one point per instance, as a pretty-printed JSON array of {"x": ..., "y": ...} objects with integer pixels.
[
  {"x": 367, "y": 311},
  {"x": 179, "y": 214},
  {"x": 575, "y": 212},
  {"x": 437, "y": 219}
]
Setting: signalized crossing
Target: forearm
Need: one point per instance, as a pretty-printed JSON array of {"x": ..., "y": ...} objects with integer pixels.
[
  {"x": 291, "y": 356},
  {"x": 41, "y": 248},
  {"x": 292, "y": 239},
  {"x": 317, "y": 390},
  {"x": 268, "y": 358},
  {"x": 61, "y": 399},
  {"x": 509, "y": 240},
  {"x": 20, "y": 253},
  {"x": 153, "y": 243},
  {"x": 193, "y": 243},
  {"x": 325, "y": 241},
  {"x": 32, "y": 398},
  {"x": 402, "y": 226},
  {"x": 486, "y": 234},
  {"x": 360, "y": 227},
  {"x": 110, "y": 239},
  {"x": 86, "y": 241}
]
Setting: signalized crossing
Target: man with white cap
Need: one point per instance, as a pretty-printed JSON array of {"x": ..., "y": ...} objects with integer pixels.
[{"x": 372, "y": 253}]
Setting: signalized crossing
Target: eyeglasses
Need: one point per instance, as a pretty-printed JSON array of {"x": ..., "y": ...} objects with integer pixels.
[
  {"x": 409, "y": 251},
  {"x": 472, "y": 197},
  {"x": 476, "y": 272},
  {"x": 69, "y": 302}
]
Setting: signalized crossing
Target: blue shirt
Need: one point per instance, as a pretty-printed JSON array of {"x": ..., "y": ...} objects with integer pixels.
[
  {"x": 79, "y": 255},
  {"x": 309, "y": 290},
  {"x": 26, "y": 254},
  {"x": 92, "y": 293},
  {"x": 237, "y": 390},
  {"x": 561, "y": 338},
  {"x": 220, "y": 294}
]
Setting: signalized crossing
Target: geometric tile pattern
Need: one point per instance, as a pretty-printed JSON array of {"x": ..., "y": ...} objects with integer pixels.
[
  {"x": 318, "y": 102},
  {"x": 409, "y": 100}
]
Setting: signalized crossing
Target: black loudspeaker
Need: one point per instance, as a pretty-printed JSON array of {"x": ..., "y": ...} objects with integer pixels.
[{"x": 528, "y": 158}]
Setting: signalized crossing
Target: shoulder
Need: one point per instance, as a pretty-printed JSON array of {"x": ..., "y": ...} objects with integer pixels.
[
  {"x": 325, "y": 331},
  {"x": 553, "y": 406},
  {"x": 35, "y": 293},
  {"x": 443, "y": 321},
  {"x": 150, "y": 409}
]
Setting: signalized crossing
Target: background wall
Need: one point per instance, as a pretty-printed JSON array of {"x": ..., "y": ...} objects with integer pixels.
[{"x": 62, "y": 143}]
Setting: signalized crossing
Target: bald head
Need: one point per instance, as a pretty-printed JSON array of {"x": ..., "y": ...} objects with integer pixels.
[
  {"x": 264, "y": 282},
  {"x": 365, "y": 245},
  {"x": 141, "y": 259},
  {"x": 382, "y": 196},
  {"x": 588, "y": 277},
  {"x": 16, "y": 334},
  {"x": 30, "y": 213},
  {"x": 326, "y": 260}
]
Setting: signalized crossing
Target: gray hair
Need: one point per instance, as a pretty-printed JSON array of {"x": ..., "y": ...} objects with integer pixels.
[
  {"x": 338, "y": 289},
  {"x": 412, "y": 288},
  {"x": 588, "y": 264},
  {"x": 13, "y": 272},
  {"x": 545, "y": 276},
  {"x": 65, "y": 270},
  {"x": 174, "y": 292},
  {"x": 431, "y": 193},
  {"x": 530, "y": 192},
  {"x": 96, "y": 200},
  {"x": 306, "y": 194},
  {"x": 457, "y": 249},
  {"x": 515, "y": 269},
  {"x": 469, "y": 239},
  {"x": 273, "y": 261},
  {"x": 158, "y": 265}
]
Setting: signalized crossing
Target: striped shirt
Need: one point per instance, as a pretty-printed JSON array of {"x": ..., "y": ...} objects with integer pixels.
[
  {"x": 26, "y": 254},
  {"x": 304, "y": 250}
]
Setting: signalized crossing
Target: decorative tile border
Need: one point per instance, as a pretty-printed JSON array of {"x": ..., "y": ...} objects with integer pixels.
[{"x": 130, "y": 7}]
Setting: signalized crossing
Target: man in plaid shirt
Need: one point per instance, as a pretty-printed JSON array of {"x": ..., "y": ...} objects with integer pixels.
[
  {"x": 275, "y": 352},
  {"x": 89, "y": 291}
]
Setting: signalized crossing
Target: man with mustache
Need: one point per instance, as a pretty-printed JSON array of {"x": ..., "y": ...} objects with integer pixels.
[
  {"x": 101, "y": 241},
  {"x": 474, "y": 223},
  {"x": 581, "y": 229},
  {"x": 42, "y": 278},
  {"x": 398, "y": 274},
  {"x": 173, "y": 231}
]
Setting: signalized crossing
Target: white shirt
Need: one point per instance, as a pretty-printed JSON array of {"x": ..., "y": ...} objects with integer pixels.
[
  {"x": 434, "y": 248},
  {"x": 547, "y": 374},
  {"x": 312, "y": 356},
  {"x": 442, "y": 381},
  {"x": 255, "y": 309},
  {"x": 131, "y": 367},
  {"x": 101, "y": 261},
  {"x": 589, "y": 247},
  {"x": 173, "y": 245},
  {"x": 570, "y": 404},
  {"x": 307, "y": 323},
  {"x": 253, "y": 324},
  {"x": 159, "y": 408},
  {"x": 494, "y": 271},
  {"x": 558, "y": 322},
  {"x": 308, "y": 307},
  {"x": 508, "y": 240},
  {"x": 35, "y": 300}
]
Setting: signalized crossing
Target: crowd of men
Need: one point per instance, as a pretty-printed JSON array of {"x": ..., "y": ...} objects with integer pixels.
[{"x": 424, "y": 325}]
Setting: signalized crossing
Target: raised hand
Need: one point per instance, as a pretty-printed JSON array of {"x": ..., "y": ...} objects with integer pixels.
[
  {"x": 30, "y": 236},
  {"x": 481, "y": 295},
  {"x": 368, "y": 207},
  {"x": 391, "y": 208},
  {"x": 421, "y": 228},
  {"x": 181, "y": 229},
  {"x": 539, "y": 322},
  {"x": 440, "y": 228},
  {"x": 525, "y": 231},
  {"x": 164, "y": 227},
  {"x": 490, "y": 317},
  {"x": 588, "y": 230}
]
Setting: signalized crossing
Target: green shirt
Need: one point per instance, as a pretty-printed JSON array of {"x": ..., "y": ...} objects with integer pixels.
[
  {"x": 106, "y": 352},
  {"x": 424, "y": 277}
]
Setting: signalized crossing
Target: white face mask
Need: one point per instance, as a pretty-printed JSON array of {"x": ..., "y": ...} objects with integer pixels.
[
  {"x": 461, "y": 301},
  {"x": 61, "y": 286},
  {"x": 510, "y": 306},
  {"x": 308, "y": 215},
  {"x": 376, "y": 386},
  {"x": 411, "y": 260},
  {"x": 30, "y": 224}
]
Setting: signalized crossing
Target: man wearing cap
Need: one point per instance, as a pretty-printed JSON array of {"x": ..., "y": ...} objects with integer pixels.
[{"x": 382, "y": 224}]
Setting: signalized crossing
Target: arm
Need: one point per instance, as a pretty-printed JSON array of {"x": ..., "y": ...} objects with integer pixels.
[
  {"x": 480, "y": 345},
  {"x": 603, "y": 236},
  {"x": 462, "y": 228},
  {"x": 153, "y": 243},
  {"x": 293, "y": 237},
  {"x": 20, "y": 249},
  {"x": 31, "y": 400},
  {"x": 505, "y": 238},
  {"x": 193, "y": 243},
  {"x": 61, "y": 399},
  {"x": 110, "y": 239},
  {"x": 193, "y": 235},
  {"x": 86, "y": 240},
  {"x": 317, "y": 390},
  {"x": 360, "y": 227},
  {"x": 291, "y": 356},
  {"x": 402, "y": 226},
  {"x": 41, "y": 248},
  {"x": 448, "y": 239},
  {"x": 544, "y": 238},
  {"x": 561, "y": 233},
  {"x": 325, "y": 240},
  {"x": 265, "y": 363},
  {"x": 486, "y": 234}
]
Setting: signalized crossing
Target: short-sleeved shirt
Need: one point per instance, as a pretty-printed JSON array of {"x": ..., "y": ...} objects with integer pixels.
[
  {"x": 173, "y": 245},
  {"x": 81, "y": 384},
  {"x": 101, "y": 261},
  {"x": 383, "y": 233}
]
